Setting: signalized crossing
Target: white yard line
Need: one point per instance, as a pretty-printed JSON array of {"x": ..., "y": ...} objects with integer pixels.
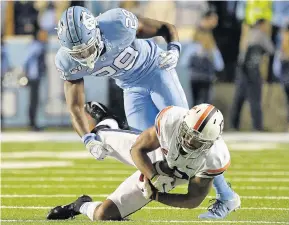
[
  {"x": 76, "y": 172},
  {"x": 71, "y": 179},
  {"x": 130, "y": 171},
  {"x": 47, "y": 186},
  {"x": 215, "y": 221},
  {"x": 261, "y": 166},
  {"x": 73, "y": 154},
  {"x": 150, "y": 208},
  {"x": 231, "y": 137},
  {"x": 168, "y": 221},
  {"x": 36, "y": 164},
  {"x": 274, "y": 180},
  {"x": 105, "y": 195}
]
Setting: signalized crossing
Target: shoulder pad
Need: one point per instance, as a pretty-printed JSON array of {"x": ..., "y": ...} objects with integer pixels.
[
  {"x": 118, "y": 24},
  {"x": 68, "y": 68},
  {"x": 168, "y": 118},
  {"x": 217, "y": 160}
]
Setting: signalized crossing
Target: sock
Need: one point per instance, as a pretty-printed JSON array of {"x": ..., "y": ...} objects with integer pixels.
[
  {"x": 112, "y": 123},
  {"x": 88, "y": 209},
  {"x": 224, "y": 192}
]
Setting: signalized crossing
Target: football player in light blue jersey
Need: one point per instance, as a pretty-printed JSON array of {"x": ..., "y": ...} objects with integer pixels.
[
  {"x": 111, "y": 45},
  {"x": 107, "y": 46},
  {"x": 114, "y": 45}
]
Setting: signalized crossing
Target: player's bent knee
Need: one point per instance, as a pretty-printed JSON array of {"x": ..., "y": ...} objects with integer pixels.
[{"x": 107, "y": 211}]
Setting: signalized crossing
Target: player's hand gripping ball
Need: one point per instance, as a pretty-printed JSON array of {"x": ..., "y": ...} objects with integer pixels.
[{"x": 162, "y": 182}]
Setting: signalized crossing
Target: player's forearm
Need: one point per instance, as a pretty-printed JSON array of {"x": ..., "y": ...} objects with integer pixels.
[
  {"x": 142, "y": 162},
  {"x": 145, "y": 143},
  {"x": 75, "y": 97},
  {"x": 168, "y": 32},
  {"x": 149, "y": 28},
  {"x": 179, "y": 200},
  {"x": 79, "y": 120}
]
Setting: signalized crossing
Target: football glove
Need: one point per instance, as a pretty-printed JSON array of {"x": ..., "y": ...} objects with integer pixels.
[
  {"x": 148, "y": 191},
  {"x": 169, "y": 59},
  {"x": 96, "y": 148},
  {"x": 162, "y": 183}
]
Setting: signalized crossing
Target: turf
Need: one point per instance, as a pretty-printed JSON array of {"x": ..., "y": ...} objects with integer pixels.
[{"x": 260, "y": 177}]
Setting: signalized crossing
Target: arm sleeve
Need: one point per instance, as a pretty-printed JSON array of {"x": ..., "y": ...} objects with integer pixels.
[
  {"x": 213, "y": 171},
  {"x": 218, "y": 60},
  {"x": 33, "y": 52},
  {"x": 217, "y": 162},
  {"x": 189, "y": 51},
  {"x": 267, "y": 45},
  {"x": 277, "y": 65}
]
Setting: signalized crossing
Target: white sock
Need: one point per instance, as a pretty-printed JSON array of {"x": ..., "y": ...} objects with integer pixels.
[
  {"x": 88, "y": 209},
  {"x": 109, "y": 122}
]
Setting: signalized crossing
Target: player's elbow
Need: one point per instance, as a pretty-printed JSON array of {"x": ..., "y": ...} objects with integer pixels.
[
  {"x": 74, "y": 109},
  {"x": 167, "y": 31},
  {"x": 169, "y": 28}
]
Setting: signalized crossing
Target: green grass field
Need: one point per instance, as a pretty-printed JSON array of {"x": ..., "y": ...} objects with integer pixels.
[{"x": 38, "y": 176}]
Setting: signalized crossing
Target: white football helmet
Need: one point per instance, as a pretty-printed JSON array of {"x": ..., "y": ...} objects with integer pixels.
[{"x": 200, "y": 128}]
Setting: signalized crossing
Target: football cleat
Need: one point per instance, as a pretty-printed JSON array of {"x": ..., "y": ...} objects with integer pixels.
[
  {"x": 100, "y": 112},
  {"x": 68, "y": 211},
  {"x": 220, "y": 209}
]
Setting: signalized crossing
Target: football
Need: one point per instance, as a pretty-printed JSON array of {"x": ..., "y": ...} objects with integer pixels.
[{"x": 163, "y": 168}]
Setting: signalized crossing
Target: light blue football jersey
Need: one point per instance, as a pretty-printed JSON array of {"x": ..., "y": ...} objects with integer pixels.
[{"x": 127, "y": 59}]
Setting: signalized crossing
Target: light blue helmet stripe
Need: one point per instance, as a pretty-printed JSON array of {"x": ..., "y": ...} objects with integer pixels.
[
  {"x": 68, "y": 26},
  {"x": 74, "y": 15},
  {"x": 71, "y": 25}
]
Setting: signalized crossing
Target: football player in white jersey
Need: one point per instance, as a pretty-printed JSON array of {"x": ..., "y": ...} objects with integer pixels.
[{"x": 184, "y": 147}]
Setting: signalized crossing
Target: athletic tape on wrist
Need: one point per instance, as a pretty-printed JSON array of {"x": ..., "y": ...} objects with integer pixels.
[
  {"x": 175, "y": 45},
  {"x": 87, "y": 137}
]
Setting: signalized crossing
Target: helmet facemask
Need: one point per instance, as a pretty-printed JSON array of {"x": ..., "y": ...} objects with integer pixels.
[
  {"x": 190, "y": 142},
  {"x": 88, "y": 54}
]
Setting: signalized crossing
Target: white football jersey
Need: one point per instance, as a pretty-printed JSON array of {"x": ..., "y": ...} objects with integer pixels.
[{"x": 209, "y": 164}]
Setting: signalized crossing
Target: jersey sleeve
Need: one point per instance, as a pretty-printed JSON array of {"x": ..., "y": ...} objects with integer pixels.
[
  {"x": 67, "y": 68},
  {"x": 119, "y": 24},
  {"x": 217, "y": 162}
]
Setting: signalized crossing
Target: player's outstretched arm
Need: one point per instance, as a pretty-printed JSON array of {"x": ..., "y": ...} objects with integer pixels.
[
  {"x": 148, "y": 28},
  {"x": 198, "y": 189},
  {"x": 75, "y": 100},
  {"x": 145, "y": 143}
]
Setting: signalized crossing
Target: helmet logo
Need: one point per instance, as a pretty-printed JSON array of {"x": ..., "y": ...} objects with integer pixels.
[
  {"x": 60, "y": 28},
  {"x": 88, "y": 20},
  {"x": 221, "y": 126}
]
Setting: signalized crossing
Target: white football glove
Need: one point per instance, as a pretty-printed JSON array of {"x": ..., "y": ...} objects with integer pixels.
[
  {"x": 97, "y": 149},
  {"x": 146, "y": 188},
  {"x": 163, "y": 183},
  {"x": 169, "y": 59}
]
